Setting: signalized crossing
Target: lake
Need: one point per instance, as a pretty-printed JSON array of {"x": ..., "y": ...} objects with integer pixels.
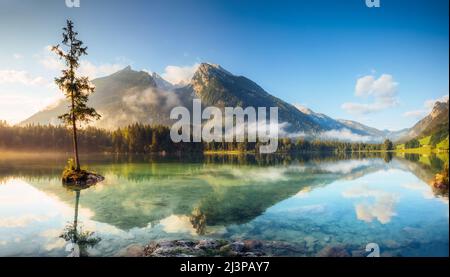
[{"x": 305, "y": 203}]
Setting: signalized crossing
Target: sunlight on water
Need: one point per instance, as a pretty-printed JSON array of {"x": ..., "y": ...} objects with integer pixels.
[{"x": 307, "y": 205}]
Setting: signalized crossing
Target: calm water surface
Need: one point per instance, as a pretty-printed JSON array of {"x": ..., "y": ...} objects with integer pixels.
[{"x": 306, "y": 203}]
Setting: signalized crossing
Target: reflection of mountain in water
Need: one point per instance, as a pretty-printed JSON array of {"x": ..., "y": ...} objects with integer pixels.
[
  {"x": 223, "y": 194},
  {"x": 209, "y": 193}
]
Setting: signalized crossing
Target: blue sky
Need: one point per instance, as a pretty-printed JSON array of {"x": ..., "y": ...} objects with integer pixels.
[{"x": 306, "y": 52}]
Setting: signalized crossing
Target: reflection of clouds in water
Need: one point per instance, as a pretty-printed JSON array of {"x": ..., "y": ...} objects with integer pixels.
[
  {"x": 32, "y": 204},
  {"x": 178, "y": 224},
  {"x": 53, "y": 244},
  {"x": 344, "y": 166},
  {"x": 22, "y": 220},
  {"x": 310, "y": 209},
  {"x": 28, "y": 214},
  {"x": 427, "y": 192},
  {"x": 303, "y": 193},
  {"x": 269, "y": 174},
  {"x": 381, "y": 209}
]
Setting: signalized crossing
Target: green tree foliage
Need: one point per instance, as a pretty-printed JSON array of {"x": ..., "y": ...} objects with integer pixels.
[
  {"x": 139, "y": 138},
  {"x": 76, "y": 89},
  {"x": 388, "y": 145},
  {"x": 413, "y": 143},
  {"x": 135, "y": 138}
]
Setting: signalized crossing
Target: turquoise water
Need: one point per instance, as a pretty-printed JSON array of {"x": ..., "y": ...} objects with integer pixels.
[{"x": 305, "y": 203}]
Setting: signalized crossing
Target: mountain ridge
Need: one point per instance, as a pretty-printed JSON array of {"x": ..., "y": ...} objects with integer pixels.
[{"x": 128, "y": 96}]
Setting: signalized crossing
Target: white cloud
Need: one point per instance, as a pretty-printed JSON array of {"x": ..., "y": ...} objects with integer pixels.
[
  {"x": 17, "y": 56},
  {"x": 383, "y": 91},
  {"x": 179, "y": 74},
  {"x": 427, "y": 107},
  {"x": 415, "y": 113},
  {"x": 21, "y": 77},
  {"x": 51, "y": 62},
  {"x": 94, "y": 71}
]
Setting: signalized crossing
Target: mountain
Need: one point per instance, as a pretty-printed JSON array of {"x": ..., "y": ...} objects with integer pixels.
[
  {"x": 216, "y": 86},
  {"x": 434, "y": 124},
  {"x": 123, "y": 98},
  {"x": 130, "y": 96},
  {"x": 329, "y": 123},
  {"x": 161, "y": 83},
  {"x": 363, "y": 128}
]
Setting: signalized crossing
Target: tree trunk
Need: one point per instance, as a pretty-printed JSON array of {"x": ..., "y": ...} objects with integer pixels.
[
  {"x": 75, "y": 139},
  {"x": 75, "y": 217}
]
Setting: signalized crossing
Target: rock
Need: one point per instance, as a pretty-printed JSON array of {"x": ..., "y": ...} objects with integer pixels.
[
  {"x": 310, "y": 243},
  {"x": 414, "y": 233},
  {"x": 333, "y": 251},
  {"x": 207, "y": 247},
  {"x": 327, "y": 239},
  {"x": 207, "y": 244},
  {"x": 392, "y": 244},
  {"x": 134, "y": 250},
  {"x": 389, "y": 254},
  {"x": 237, "y": 246},
  {"x": 358, "y": 253},
  {"x": 250, "y": 245}
]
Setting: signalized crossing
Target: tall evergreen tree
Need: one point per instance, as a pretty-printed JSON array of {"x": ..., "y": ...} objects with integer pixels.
[{"x": 75, "y": 88}]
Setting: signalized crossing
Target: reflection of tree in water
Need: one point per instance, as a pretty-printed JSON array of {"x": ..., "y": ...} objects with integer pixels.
[
  {"x": 78, "y": 239},
  {"x": 440, "y": 183},
  {"x": 388, "y": 157},
  {"x": 198, "y": 221}
]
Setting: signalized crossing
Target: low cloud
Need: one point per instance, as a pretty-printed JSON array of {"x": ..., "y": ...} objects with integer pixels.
[
  {"x": 383, "y": 92},
  {"x": 330, "y": 135},
  {"x": 344, "y": 135},
  {"x": 179, "y": 74},
  {"x": 21, "y": 77},
  {"x": 427, "y": 107},
  {"x": 140, "y": 100}
]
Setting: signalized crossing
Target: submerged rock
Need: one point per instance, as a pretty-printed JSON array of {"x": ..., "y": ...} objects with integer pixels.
[
  {"x": 134, "y": 250},
  {"x": 333, "y": 251},
  {"x": 202, "y": 248}
]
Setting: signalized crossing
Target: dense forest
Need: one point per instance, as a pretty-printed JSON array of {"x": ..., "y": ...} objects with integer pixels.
[
  {"x": 139, "y": 138},
  {"x": 136, "y": 138}
]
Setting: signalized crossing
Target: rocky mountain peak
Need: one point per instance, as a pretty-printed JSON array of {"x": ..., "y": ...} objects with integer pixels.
[
  {"x": 162, "y": 83},
  {"x": 209, "y": 69},
  {"x": 438, "y": 108},
  {"x": 130, "y": 76}
]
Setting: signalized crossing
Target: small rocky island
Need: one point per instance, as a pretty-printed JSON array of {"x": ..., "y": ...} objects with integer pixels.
[{"x": 81, "y": 178}]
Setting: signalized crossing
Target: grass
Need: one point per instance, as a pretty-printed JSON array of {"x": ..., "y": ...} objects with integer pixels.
[
  {"x": 420, "y": 150},
  {"x": 443, "y": 144},
  {"x": 425, "y": 147},
  {"x": 425, "y": 141}
]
